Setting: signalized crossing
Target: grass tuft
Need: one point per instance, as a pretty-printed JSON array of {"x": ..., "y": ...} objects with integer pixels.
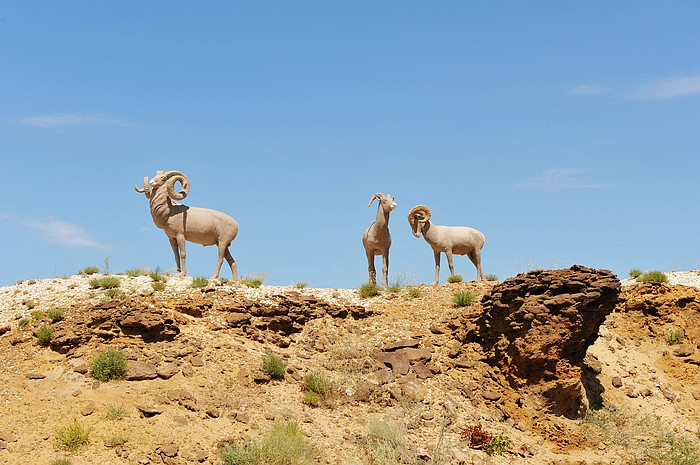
[
  {"x": 106, "y": 282},
  {"x": 318, "y": 390},
  {"x": 653, "y": 277},
  {"x": 675, "y": 336},
  {"x": 43, "y": 334},
  {"x": 414, "y": 292},
  {"x": 285, "y": 444},
  {"x": 73, "y": 437},
  {"x": 635, "y": 273},
  {"x": 107, "y": 365},
  {"x": 368, "y": 290},
  {"x": 199, "y": 282},
  {"x": 89, "y": 270},
  {"x": 158, "y": 285},
  {"x": 274, "y": 366},
  {"x": 463, "y": 298},
  {"x": 55, "y": 314},
  {"x": 455, "y": 278}
]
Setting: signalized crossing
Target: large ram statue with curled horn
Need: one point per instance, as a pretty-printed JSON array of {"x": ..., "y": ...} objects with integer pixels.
[
  {"x": 182, "y": 223},
  {"x": 460, "y": 240}
]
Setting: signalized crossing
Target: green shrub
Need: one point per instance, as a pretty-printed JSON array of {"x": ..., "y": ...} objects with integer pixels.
[
  {"x": 414, "y": 292},
  {"x": 635, "y": 273},
  {"x": 672, "y": 450},
  {"x": 158, "y": 285},
  {"x": 675, "y": 336},
  {"x": 115, "y": 293},
  {"x": 117, "y": 440},
  {"x": 199, "y": 282},
  {"x": 156, "y": 276},
  {"x": 498, "y": 445},
  {"x": 463, "y": 298},
  {"x": 43, "y": 334},
  {"x": 61, "y": 461},
  {"x": 37, "y": 315},
  {"x": 89, "y": 270},
  {"x": 23, "y": 322},
  {"x": 491, "y": 277},
  {"x": 653, "y": 277},
  {"x": 116, "y": 412},
  {"x": 386, "y": 444},
  {"x": 55, "y": 314},
  {"x": 301, "y": 285},
  {"x": 73, "y": 437},
  {"x": 274, "y": 366},
  {"x": 368, "y": 290},
  {"x": 455, "y": 278},
  {"x": 285, "y": 444},
  {"x": 133, "y": 272},
  {"x": 108, "y": 364},
  {"x": 318, "y": 390},
  {"x": 251, "y": 282},
  {"x": 29, "y": 304},
  {"x": 105, "y": 282}
]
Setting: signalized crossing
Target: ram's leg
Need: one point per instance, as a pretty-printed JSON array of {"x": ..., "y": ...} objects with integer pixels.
[
  {"x": 449, "y": 262},
  {"x": 232, "y": 264},
  {"x": 183, "y": 255},
  {"x": 385, "y": 267},
  {"x": 176, "y": 251},
  {"x": 370, "y": 267},
  {"x": 219, "y": 260},
  {"x": 437, "y": 267},
  {"x": 475, "y": 257}
]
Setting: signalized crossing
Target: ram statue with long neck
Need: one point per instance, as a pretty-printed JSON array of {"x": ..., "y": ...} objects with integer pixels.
[{"x": 182, "y": 223}]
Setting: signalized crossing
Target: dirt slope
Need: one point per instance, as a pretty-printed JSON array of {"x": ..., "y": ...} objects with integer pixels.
[{"x": 195, "y": 356}]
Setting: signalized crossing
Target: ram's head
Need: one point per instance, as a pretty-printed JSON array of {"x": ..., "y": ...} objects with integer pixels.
[
  {"x": 417, "y": 217},
  {"x": 167, "y": 179}
]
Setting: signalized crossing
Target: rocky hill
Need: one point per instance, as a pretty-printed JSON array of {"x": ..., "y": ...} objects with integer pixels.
[{"x": 562, "y": 366}]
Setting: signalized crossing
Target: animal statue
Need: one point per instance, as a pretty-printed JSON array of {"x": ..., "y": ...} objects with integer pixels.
[
  {"x": 458, "y": 240},
  {"x": 377, "y": 238},
  {"x": 182, "y": 223}
]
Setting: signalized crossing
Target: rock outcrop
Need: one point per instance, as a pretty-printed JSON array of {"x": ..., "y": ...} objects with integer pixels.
[{"x": 537, "y": 326}]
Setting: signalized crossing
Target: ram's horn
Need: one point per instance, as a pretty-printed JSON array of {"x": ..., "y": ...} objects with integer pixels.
[
  {"x": 171, "y": 178},
  {"x": 421, "y": 210},
  {"x": 377, "y": 196},
  {"x": 146, "y": 189}
]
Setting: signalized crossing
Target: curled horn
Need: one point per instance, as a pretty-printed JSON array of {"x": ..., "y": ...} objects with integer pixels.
[
  {"x": 146, "y": 189},
  {"x": 171, "y": 177},
  {"x": 375, "y": 196},
  {"x": 421, "y": 210}
]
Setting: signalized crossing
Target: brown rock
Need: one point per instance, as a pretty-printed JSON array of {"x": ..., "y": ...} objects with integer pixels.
[
  {"x": 617, "y": 382},
  {"x": 402, "y": 344},
  {"x": 167, "y": 370},
  {"x": 87, "y": 409},
  {"x": 139, "y": 371},
  {"x": 169, "y": 450},
  {"x": 398, "y": 362}
]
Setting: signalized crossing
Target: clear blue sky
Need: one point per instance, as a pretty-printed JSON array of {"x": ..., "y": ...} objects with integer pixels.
[{"x": 567, "y": 132}]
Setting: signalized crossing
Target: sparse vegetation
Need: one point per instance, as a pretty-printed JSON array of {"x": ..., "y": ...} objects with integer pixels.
[
  {"x": 73, "y": 437},
  {"x": 133, "y": 272},
  {"x": 108, "y": 364},
  {"x": 105, "y": 282},
  {"x": 635, "y": 273},
  {"x": 653, "y": 277},
  {"x": 43, "y": 334},
  {"x": 199, "y": 282},
  {"x": 285, "y": 444},
  {"x": 498, "y": 445},
  {"x": 491, "y": 277},
  {"x": 37, "y": 315},
  {"x": 156, "y": 276},
  {"x": 318, "y": 390},
  {"x": 29, "y": 304},
  {"x": 455, "y": 278},
  {"x": 158, "y": 285},
  {"x": 115, "y": 293},
  {"x": 414, "y": 292},
  {"x": 463, "y": 298},
  {"x": 117, "y": 440},
  {"x": 255, "y": 280},
  {"x": 55, "y": 314},
  {"x": 300, "y": 285},
  {"x": 61, "y": 461},
  {"x": 368, "y": 290},
  {"x": 23, "y": 322},
  {"x": 675, "y": 336},
  {"x": 89, "y": 270},
  {"x": 274, "y": 366},
  {"x": 116, "y": 412}
]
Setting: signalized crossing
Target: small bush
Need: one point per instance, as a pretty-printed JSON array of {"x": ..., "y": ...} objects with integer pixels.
[
  {"x": 386, "y": 444},
  {"x": 29, "y": 304},
  {"x": 37, "y": 315},
  {"x": 463, "y": 298},
  {"x": 158, "y": 285},
  {"x": 55, "y": 314},
  {"x": 414, "y": 292},
  {"x": 285, "y": 444},
  {"x": 368, "y": 290},
  {"x": 199, "y": 282},
  {"x": 635, "y": 273},
  {"x": 301, "y": 285},
  {"x": 318, "y": 390},
  {"x": 61, "y": 461},
  {"x": 106, "y": 282},
  {"x": 491, "y": 277},
  {"x": 156, "y": 276},
  {"x": 675, "y": 336},
  {"x": 498, "y": 445},
  {"x": 653, "y": 277},
  {"x": 89, "y": 270},
  {"x": 274, "y": 366},
  {"x": 476, "y": 436},
  {"x": 73, "y": 437},
  {"x": 249, "y": 454},
  {"x": 455, "y": 278},
  {"x": 43, "y": 334},
  {"x": 115, "y": 293},
  {"x": 312, "y": 399},
  {"x": 23, "y": 322},
  {"x": 133, "y": 272},
  {"x": 116, "y": 412},
  {"x": 117, "y": 440},
  {"x": 251, "y": 282},
  {"x": 109, "y": 364}
]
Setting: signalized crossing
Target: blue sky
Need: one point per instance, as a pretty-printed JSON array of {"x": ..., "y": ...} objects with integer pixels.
[{"x": 567, "y": 132}]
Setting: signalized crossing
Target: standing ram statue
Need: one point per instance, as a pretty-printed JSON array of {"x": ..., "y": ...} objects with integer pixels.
[
  {"x": 182, "y": 223},
  {"x": 458, "y": 240},
  {"x": 377, "y": 238}
]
